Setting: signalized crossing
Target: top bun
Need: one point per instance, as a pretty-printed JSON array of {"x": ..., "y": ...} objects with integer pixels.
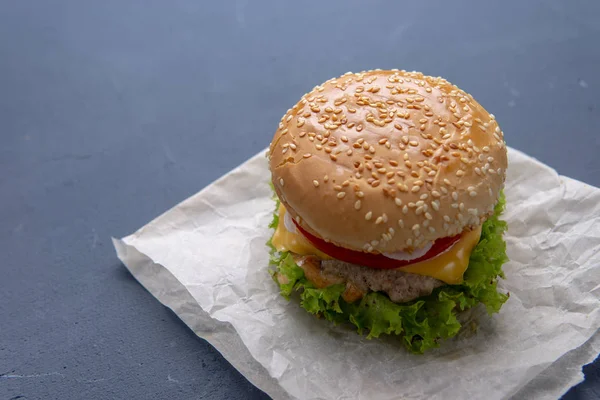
[{"x": 385, "y": 161}]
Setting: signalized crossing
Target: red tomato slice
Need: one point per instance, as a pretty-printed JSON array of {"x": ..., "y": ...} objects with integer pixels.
[{"x": 378, "y": 261}]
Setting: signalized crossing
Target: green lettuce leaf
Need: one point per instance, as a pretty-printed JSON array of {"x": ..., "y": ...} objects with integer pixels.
[{"x": 422, "y": 323}]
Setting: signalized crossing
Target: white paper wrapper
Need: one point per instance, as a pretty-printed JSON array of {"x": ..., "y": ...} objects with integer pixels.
[{"x": 206, "y": 259}]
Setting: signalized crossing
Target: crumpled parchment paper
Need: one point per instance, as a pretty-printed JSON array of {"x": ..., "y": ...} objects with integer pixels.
[{"x": 206, "y": 259}]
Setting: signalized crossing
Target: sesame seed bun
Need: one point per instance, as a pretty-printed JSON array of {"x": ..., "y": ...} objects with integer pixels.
[{"x": 385, "y": 161}]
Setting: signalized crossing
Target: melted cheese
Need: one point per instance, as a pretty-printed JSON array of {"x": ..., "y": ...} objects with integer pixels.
[
  {"x": 284, "y": 240},
  {"x": 448, "y": 266}
]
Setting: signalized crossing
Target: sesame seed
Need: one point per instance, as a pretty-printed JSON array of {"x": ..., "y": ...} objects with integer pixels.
[
  {"x": 416, "y": 227},
  {"x": 360, "y": 194},
  {"x": 460, "y": 173},
  {"x": 415, "y": 189},
  {"x": 461, "y": 206},
  {"x": 307, "y": 155},
  {"x": 444, "y": 190},
  {"x": 374, "y": 242},
  {"x": 405, "y": 210},
  {"x": 446, "y": 218},
  {"x": 385, "y": 218},
  {"x": 402, "y": 187},
  {"x": 281, "y": 181},
  {"x": 398, "y": 201},
  {"x": 341, "y": 195},
  {"x": 401, "y": 223},
  {"x": 435, "y": 205},
  {"x": 473, "y": 193},
  {"x": 316, "y": 183},
  {"x": 419, "y": 210},
  {"x": 357, "y": 204},
  {"x": 325, "y": 178},
  {"x": 454, "y": 196},
  {"x": 368, "y": 215},
  {"x": 409, "y": 242},
  {"x": 378, "y": 220}
]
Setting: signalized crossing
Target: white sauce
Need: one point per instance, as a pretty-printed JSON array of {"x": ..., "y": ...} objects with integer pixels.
[
  {"x": 289, "y": 224},
  {"x": 404, "y": 256}
]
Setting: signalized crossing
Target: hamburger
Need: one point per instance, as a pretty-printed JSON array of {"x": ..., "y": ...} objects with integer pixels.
[{"x": 388, "y": 189}]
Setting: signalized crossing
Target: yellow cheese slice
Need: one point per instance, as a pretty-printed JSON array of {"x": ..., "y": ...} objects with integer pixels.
[
  {"x": 284, "y": 240},
  {"x": 448, "y": 267},
  {"x": 451, "y": 265}
]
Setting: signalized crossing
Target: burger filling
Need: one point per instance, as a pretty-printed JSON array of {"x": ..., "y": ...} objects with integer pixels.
[
  {"x": 358, "y": 280},
  {"x": 418, "y": 299},
  {"x": 416, "y": 274}
]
